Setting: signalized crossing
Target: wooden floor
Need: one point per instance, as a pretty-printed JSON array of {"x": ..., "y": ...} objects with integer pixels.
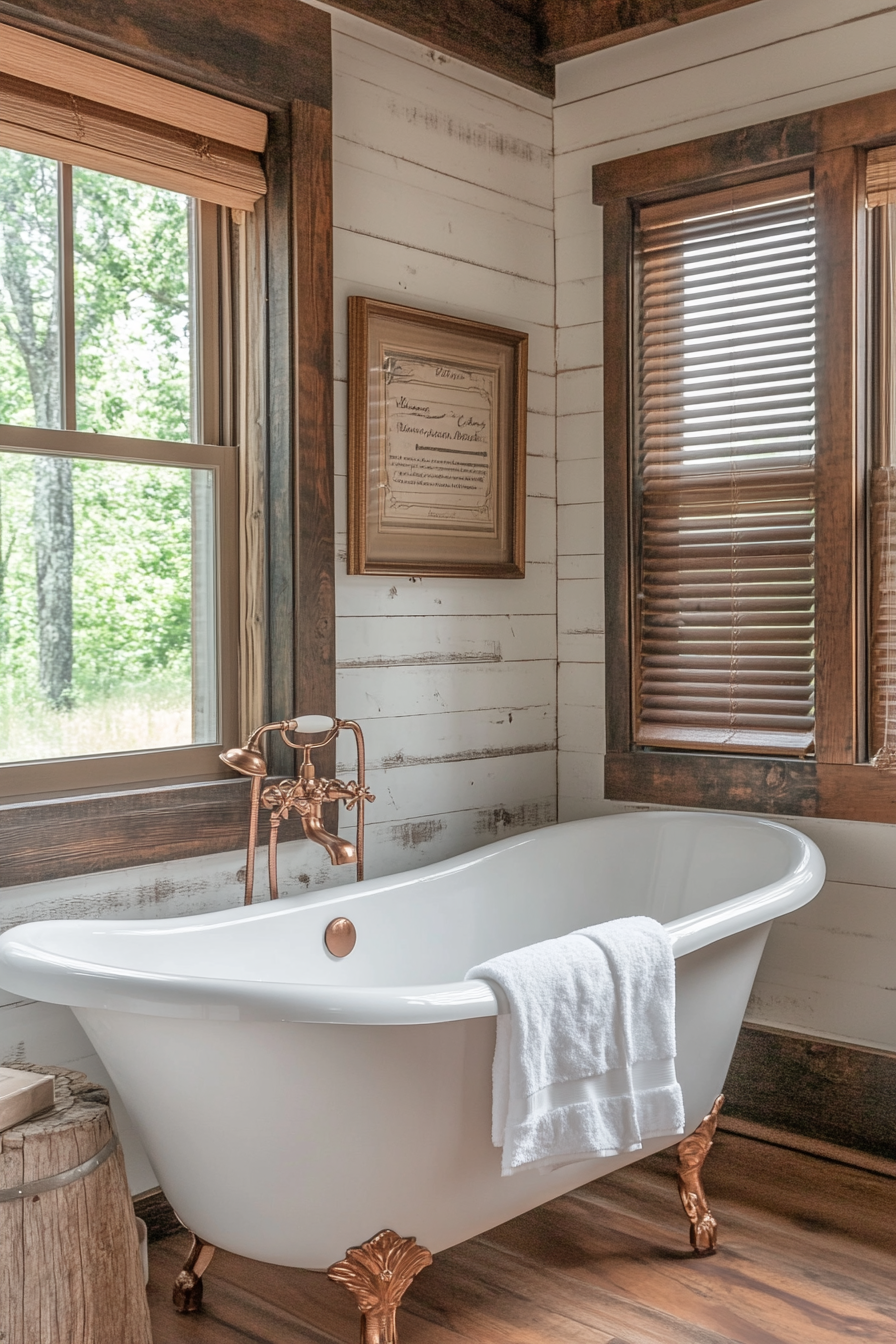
[{"x": 807, "y": 1256}]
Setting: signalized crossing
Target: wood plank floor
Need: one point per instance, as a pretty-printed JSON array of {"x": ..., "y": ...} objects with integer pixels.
[{"x": 807, "y": 1256}]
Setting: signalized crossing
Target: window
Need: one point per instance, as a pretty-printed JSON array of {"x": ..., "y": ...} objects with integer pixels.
[
  {"x": 108, "y": 605},
  {"x": 750, "y": 467},
  {"x": 725, "y": 473},
  {"x": 118, "y": 489},
  {"x": 109, "y": 517}
]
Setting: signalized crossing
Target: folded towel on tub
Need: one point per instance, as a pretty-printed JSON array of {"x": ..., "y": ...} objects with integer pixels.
[{"x": 585, "y": 1057}]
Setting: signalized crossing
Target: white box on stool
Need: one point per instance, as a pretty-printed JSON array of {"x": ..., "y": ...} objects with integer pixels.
[{"x": 23, "y": 1095}]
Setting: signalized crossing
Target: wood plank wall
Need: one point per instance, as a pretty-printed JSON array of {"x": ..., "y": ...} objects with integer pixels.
[
  {"x": 443, "y": 200},
  {"x": 828, "y": 968}
]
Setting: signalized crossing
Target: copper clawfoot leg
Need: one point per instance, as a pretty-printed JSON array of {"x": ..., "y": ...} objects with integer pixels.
[
  {"x": 692, "y": 1153},
  {"x": 378, "y": 1274},
  {"x": 187, "y": 1295}
]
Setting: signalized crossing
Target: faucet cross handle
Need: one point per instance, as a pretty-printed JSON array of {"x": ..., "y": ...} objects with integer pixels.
[
  {"x": 287, "y": 796},
  {"x": 357, "y": 793}
]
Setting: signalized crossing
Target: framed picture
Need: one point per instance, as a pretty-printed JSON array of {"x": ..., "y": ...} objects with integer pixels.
[{"x": 437, "y": 444}]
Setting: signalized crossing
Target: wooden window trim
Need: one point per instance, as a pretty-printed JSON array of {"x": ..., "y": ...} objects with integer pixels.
[
  {"x": 287, "y": 73},
  {"x": 831, "y": 142}
]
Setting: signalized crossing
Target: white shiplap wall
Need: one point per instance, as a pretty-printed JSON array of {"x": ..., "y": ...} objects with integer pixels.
[
  {"x": 443, "y": 199},
  {"x": 830, "y": 970}
]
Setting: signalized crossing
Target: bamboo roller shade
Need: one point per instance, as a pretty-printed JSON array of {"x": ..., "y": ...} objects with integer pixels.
[
  {"x": 66, "y": 104},
  {"x": 880, "y": 177},
  {"x": 725, "y": 474}
]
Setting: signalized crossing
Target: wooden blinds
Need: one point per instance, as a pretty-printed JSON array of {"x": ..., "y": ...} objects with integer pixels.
[
  {"x": 66, "y": 104},
  {"x": 725, "y": 475}
]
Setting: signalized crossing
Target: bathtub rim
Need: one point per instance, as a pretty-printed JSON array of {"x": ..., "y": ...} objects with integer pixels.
[{"x": 29, "y": 967}]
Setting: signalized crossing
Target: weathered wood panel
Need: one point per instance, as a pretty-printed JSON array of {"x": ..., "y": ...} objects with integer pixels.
[
  {"x": 838, "y": 953},
  {"x": 44, "y": 841},
  {"x": 818, "y": 1088},
  {"x": 314, "y": 610},
  {"x": 409, "y": 641},
  {"x": 503, "y": 782},
  {"x": 441, "y": 117},
  {"x": 421, "y": 277},
  {"x": 435, "y": 221},
  {"x": 497, "y": 36},
  {"x": 478, "y": 734},
  {"x": 840, "y": 212},
  {"x": 267, "y": 53},
  {"x": 580, "y": 621},
  {"x": 617, "y": 489},
  {"x": 720, "y": 76},
  {"x": 250, "y": 317},
  {"x": 360, "y": 595},
  {"x": 574, "y": 30},
  {"x": 280, "y": 520}
]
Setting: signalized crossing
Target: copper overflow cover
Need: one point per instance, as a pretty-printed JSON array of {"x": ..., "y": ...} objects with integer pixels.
[{"x": 340, "y": 937}]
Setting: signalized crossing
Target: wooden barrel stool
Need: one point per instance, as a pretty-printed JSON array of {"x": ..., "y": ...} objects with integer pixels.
[{"x": 70, "y": 1269}]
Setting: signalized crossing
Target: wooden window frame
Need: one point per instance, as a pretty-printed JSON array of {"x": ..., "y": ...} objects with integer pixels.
[
  {"x": 209, "y": 448},
  {"x": 285, "y": 71},
  {"x": 832, "y": 142},
  {"x": 196, "y": 760}
]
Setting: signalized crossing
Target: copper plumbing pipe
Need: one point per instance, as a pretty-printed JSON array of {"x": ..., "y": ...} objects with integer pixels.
[
  {"x": 254, "y": 798},
  {"x": 362, "y": 784},
  {"x": 272, "y": 856}
]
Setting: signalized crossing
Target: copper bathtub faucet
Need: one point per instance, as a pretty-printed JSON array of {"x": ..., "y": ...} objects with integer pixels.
[{"x": 305, "y": 795}]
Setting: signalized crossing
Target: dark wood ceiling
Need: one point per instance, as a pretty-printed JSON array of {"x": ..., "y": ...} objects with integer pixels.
[{"x": 524, "y": 39}]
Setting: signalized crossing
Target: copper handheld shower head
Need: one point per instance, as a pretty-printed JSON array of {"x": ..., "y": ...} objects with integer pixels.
[{"x": 244, "y": 761}]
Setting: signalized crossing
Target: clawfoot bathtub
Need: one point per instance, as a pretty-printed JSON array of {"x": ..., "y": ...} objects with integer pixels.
[{"x": 294, "y": 1103}]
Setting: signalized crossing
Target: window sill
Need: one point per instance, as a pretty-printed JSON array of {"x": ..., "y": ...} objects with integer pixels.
[
  {"x": 94, "y": 833},
  {"x": 772, "y": 785}
]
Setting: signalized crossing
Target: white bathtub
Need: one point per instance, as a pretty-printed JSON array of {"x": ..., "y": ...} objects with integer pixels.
[{"x": 294, "y": 1104}]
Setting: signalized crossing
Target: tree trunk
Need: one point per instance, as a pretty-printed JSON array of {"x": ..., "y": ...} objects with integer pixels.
[
  {"x": 54, "y": 546},
  {"x": 29, "y": 274}
]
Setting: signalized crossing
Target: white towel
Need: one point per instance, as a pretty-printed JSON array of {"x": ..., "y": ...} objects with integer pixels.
[{"x": 585, "y": 1059}]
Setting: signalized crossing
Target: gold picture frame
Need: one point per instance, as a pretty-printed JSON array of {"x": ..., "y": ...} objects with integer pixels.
[{"x": 436, "y": 444}]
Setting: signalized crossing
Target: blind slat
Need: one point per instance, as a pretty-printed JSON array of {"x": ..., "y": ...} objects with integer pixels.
[
  {"x": 711, "y": 203},
  {"x": 726, "y": 474},
  {"x": 797, "y": 353},
  {"x": 706, "y": 738}
]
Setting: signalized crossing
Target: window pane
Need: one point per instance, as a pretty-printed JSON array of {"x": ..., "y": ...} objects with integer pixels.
[
  {"x": 29, "y": 291},
  {"x": 132, "y": 307},
  {"x": 107, "y": 607}
]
